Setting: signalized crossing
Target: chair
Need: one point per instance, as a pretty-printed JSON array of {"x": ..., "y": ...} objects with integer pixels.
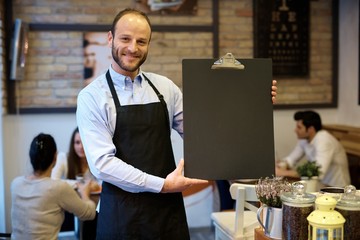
[
  {"x": 241, "y": 223},
  {"x": 4, "y": 236},
  {"x": 226, "y": 201}
]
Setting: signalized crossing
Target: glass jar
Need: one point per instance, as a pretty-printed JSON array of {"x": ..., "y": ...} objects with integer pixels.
[
  {"x": 335, "y": 192},
  {"x": 349, "y": 207},
  {"x": 296, "y": 206}
]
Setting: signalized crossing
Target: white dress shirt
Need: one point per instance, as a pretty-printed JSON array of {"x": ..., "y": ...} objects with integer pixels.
[
  {"x": 96, "y": 119},
  {"x": 328, "y": 152}
]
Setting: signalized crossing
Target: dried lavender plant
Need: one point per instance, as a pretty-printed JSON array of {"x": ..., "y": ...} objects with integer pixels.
[{"x": 268, "y": 190}]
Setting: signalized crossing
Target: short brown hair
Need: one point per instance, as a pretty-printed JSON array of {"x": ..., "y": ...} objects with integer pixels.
[{"x": 125, "y": 12}]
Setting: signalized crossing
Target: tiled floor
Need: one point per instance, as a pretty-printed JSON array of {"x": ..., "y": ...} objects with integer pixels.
[
  {"x": 207, "y": 233},
  {"x": 195, "y": 234}
]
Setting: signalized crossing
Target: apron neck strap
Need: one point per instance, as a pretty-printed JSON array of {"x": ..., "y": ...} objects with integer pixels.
[
  {"x": 159, "y": 95},
  {"x": 112, "y": 89},
  {"x": 161, "y": 98}
]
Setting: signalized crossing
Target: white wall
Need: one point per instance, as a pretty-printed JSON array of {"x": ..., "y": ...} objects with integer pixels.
[
  {"x": 349, "y": 110},
  {"x": 18, "y": 130}
]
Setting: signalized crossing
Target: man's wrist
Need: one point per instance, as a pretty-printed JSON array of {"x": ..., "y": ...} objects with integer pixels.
[{"x": 154, "y": 184}]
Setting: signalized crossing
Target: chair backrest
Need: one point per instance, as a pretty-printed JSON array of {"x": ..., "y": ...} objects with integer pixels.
[
  {"x": 250, "y": 194},
  {"x": 243, "y": 194},
  {"x": 4, "y": 236}
]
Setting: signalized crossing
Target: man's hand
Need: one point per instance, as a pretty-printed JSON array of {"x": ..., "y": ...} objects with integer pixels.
[
  {"x": 273, "y": 91},
  {"x": 176, "y": 182}
]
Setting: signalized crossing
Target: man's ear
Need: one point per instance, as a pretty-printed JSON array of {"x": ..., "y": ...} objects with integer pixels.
[
  {"x": 110, "y": 39},
  {"x": 312, "y": 130}
]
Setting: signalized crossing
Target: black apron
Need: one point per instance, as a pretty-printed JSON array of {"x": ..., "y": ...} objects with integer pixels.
[{"x": 142, "y": 139}]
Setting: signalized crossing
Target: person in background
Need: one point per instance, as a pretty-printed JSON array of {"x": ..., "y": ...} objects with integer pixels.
[
  {"x": 39, "y": 202},
  {"x": 316, "y": 144},
  {"x": 125, "y": 119},
  {"x": 70, "y": 168},
  {"x": 74, "y": 164}
]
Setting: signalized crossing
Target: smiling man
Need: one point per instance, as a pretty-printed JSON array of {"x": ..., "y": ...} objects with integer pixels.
[{"x": 125, "y": 118}]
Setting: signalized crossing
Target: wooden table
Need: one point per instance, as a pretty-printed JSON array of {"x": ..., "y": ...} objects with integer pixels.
[{"x": 260, "y": 235}]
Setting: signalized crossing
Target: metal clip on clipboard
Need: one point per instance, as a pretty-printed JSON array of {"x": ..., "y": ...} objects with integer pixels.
[{"x": 227, "y": 62}]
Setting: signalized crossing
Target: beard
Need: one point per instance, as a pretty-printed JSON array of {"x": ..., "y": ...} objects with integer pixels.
[{"x": 126, "y": 67}]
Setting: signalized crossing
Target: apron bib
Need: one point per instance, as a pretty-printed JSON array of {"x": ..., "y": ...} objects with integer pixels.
[{"x": 142, "y": 139}]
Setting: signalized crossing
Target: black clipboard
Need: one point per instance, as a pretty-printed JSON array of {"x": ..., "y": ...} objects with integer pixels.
[{"x": 228, "y": 119}]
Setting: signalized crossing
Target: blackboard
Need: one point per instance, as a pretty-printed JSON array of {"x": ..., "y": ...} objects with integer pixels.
[{"x": 228, "y": 120}]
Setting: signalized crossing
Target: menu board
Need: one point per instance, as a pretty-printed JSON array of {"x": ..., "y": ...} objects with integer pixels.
[{"x": 228, "y": 120}]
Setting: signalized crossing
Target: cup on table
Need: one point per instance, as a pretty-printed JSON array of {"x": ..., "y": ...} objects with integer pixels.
[
  {"x": 80, "y": 178},
  {"x": 281, "y": 164}
]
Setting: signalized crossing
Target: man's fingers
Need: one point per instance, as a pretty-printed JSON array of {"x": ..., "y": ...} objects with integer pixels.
[
  {"x": 198, "y": 181},
  {"x": 180, "y": 166}
]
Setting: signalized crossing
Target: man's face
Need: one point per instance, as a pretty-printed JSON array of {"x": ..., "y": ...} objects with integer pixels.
[
  {"x": 301, "y": 131},
  {"x": 130, "y": 44}
]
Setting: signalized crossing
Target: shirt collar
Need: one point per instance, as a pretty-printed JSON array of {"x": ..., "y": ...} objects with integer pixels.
[{"x": 119, "y": 79}]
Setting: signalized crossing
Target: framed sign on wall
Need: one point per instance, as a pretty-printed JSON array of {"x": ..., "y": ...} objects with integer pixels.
[
  {"x": 282, "y": 34},
  {"x": 301, "y": 38}
]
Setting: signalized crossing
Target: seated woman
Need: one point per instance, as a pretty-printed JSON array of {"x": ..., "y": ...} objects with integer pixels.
[
  {"x": 39, "y": 202},
  {"x": 74, "y": 164},
  {"x": 67, "y": 168}
]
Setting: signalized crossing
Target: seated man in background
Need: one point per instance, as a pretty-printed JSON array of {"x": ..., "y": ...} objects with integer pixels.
[{"x": 317, "y": 145}]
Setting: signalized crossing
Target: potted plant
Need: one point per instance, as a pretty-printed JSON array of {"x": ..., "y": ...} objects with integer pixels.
[
  {"x": 308, "y": 169},
  {"x": 309, "y": 173},
  {"x": 268, "y": 191}
]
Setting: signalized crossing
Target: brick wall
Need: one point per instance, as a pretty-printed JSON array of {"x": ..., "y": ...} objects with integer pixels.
[
  {"x": 317, "y": 88},
  {"x": 54, "y": 72}
]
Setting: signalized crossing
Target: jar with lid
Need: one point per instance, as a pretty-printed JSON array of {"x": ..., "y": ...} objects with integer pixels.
[
  {"x": 349, "y": 207},
  {"x": 296, "y": 206}
]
